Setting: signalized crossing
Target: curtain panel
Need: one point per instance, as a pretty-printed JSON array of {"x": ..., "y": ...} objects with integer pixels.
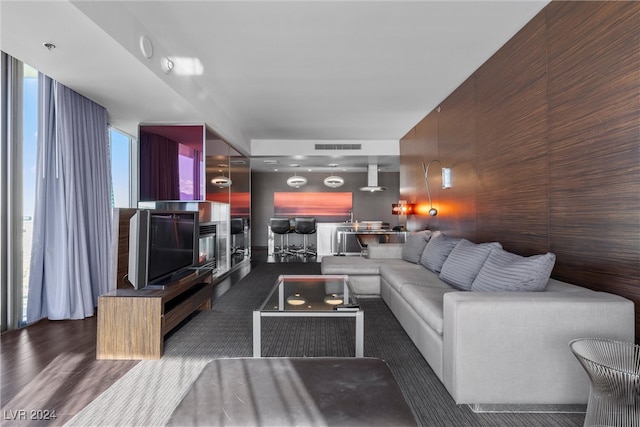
[
  {"x": 72, "y": 220},
  {"x": 159, "y": 168}
]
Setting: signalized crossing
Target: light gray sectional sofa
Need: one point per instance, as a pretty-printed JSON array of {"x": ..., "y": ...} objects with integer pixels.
[{"x": 493, "y": 326}]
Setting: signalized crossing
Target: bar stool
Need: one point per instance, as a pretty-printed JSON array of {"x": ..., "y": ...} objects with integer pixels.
[
  {"x": 305, "y": 226},
  {"x": 614, "y": 371},
  {"x": 237, "y": 227},
  {"x": 281, "y": 226}
]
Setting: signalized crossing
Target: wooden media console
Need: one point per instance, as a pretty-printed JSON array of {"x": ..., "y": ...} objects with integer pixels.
[{"x": 132, "y": 323}]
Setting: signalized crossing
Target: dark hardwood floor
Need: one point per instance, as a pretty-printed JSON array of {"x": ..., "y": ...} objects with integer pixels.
[{"x": 49, "y": 368}]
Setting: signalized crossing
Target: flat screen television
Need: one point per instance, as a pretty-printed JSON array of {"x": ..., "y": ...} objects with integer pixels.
[{"x": 162, "y": 245}]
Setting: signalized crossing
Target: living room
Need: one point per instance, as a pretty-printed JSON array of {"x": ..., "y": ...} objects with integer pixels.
[{"x": 542, "y": 140}]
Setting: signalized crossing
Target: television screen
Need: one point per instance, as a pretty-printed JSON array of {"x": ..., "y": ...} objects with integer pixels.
[
  {"x": 161, "y": 243},
  {"x": 171, "y": 243}
]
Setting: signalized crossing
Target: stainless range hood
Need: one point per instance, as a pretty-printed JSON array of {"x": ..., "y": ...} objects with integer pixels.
[{"x": 372, "y": 180}]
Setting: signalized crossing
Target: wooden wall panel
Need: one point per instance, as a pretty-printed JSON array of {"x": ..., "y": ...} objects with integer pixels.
[
  {"x": 594, "y": 144},
  {"x": 420, "y": 145},
  {"x": 556, "y": 143},
  {"x": 512, "y": 187},
  {"x": 457, "y": 150}
]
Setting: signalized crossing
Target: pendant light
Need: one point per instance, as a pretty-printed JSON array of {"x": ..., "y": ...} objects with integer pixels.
[
  {"x": 295, "y": 180},
  {"x": 333, "y": 181},
  {"x": 221, "y": 181}
]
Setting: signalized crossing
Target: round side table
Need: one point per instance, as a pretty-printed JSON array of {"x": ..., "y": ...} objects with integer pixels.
[{"x": 614, "y": 371}]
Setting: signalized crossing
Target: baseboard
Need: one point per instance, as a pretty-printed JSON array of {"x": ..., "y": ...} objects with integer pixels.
[{"x": 545, "y": 408}]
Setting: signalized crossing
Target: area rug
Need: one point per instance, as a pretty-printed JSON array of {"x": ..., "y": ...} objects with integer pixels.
[{"x": 148, "y": 394}]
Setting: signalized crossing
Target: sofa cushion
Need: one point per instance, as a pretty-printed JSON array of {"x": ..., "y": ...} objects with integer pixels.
[
  {"x": 400, "y": 274},
  {"x": 437, "y": 251},
  {"x": 505, "y": 271},
  {"x": 385, "y": 251},
  {"x": 414, "y": 245},
  {"x": 349, "y": 265},
  {"x": 464, "y": 262},
  {"x": 427, "y": 302}
]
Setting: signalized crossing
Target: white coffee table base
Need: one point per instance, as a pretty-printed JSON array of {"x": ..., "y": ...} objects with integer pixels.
[{"x": 257, "y": 328}]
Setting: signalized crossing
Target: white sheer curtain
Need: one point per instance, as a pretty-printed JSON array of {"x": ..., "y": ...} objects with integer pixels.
[{"x": 72, "y": 220}]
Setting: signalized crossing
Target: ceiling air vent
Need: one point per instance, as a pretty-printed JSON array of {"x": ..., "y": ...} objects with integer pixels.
[{"x": 338, "y": 146}]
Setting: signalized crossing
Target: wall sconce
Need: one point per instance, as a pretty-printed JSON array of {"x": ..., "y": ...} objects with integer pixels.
[
  {"x": 402, "y": 209},
  {"x": 446, "y": 182}
]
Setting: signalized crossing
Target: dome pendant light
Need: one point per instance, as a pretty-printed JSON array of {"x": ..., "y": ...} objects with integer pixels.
[
  {"x": 333, "y": 181},
  {"x": 296, "y": 181},
  {"x": 221, "y": 181}
]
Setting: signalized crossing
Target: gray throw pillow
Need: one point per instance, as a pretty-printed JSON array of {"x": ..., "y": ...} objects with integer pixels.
[
  {"x": 437, "y": 251},
  {"x": 464, "y": 262},
  {"x": 414, "y": 245},
  {"x": 505, "y": 271}
]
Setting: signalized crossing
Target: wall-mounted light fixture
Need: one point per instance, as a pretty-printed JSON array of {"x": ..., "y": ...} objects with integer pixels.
[
  {"x": 446, "y": 182},
  {"x": 402, "y": 208}
]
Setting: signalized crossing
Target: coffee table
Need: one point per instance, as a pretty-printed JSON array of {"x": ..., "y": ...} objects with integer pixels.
[{"x": 310, "y": 296}]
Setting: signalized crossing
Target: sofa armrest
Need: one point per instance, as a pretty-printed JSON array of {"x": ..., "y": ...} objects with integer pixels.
[
  {"x": 513, "y": 347},
  {"x": 385, "y": 251}
]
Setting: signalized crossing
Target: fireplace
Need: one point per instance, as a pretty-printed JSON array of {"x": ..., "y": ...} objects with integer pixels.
[{"x": 207, "y": 254}]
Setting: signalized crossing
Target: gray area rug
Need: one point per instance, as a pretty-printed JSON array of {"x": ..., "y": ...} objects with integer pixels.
[{"x": 148, "y": 394}]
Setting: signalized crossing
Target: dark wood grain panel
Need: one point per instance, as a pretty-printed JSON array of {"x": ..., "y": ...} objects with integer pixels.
[
  {"x": 457, "y": 150},
  {"x": 557, "y": 145},
  {"x": 120, "y": 248},
  {"x": 594, "y": 144},
  {"x": 421, "y": 147},
  {"x": 511, "y": 150}
]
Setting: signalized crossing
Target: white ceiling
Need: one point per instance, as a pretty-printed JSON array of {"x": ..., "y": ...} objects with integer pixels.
[{"x": 269, "y": 72}]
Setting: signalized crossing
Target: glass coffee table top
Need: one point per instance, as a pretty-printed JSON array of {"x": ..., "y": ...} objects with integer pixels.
[
  {"x": 310, "y": 296},
  {"x": 310, "y": 293}
]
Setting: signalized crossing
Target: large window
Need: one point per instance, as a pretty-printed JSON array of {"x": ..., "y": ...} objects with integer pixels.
[
  {"x": 121, "y": 146},
  {"x": 19, "y": 131},
  {"x": 29, "y": 158}
]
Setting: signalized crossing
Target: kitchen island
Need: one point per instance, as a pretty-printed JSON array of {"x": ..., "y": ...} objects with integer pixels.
[{"x": 343, "y": 238}]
